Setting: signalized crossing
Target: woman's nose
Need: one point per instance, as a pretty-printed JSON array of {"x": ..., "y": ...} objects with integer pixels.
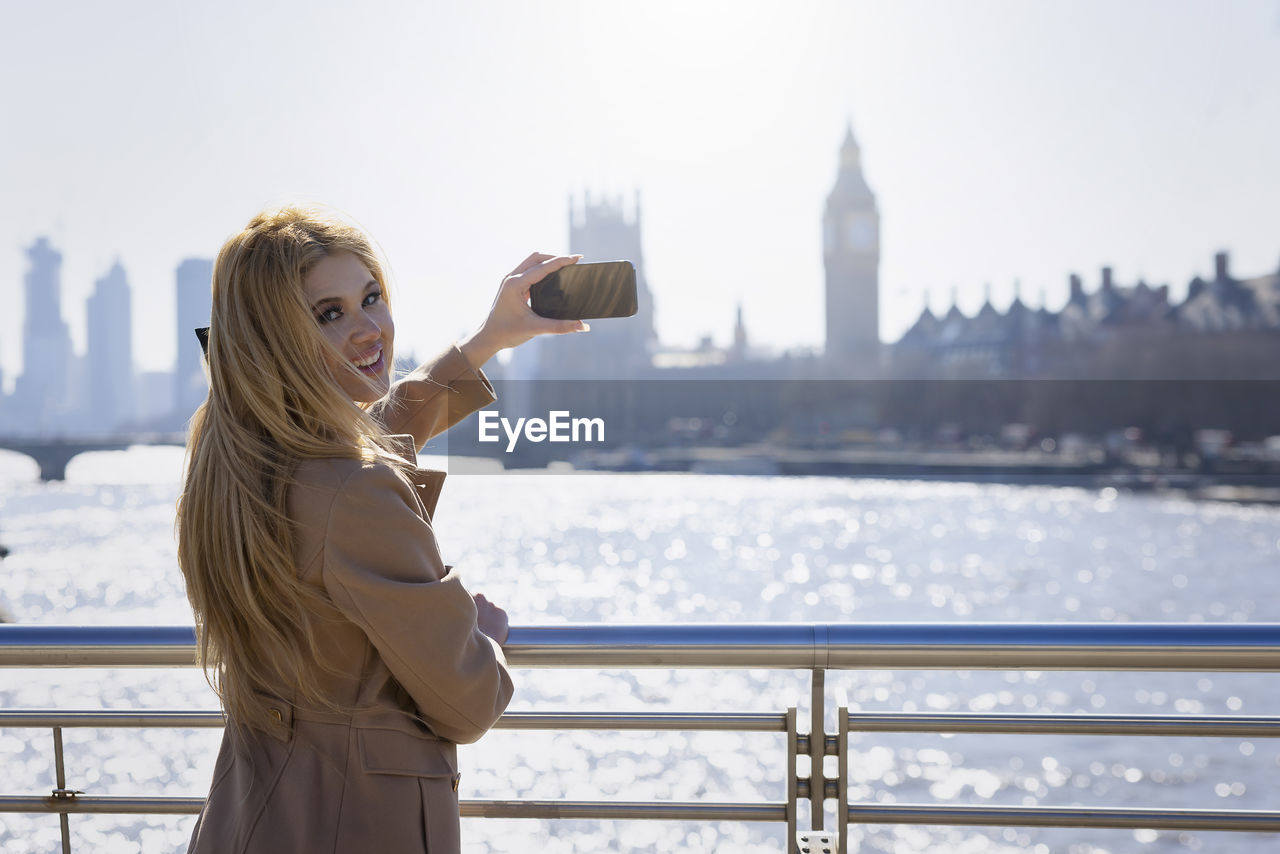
[{"x": 365, "y": 328}]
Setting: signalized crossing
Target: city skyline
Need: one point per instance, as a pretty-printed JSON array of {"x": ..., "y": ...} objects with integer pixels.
[
  {"x": 1002, "y": 141},
  {"x": 101, "y": 391}
]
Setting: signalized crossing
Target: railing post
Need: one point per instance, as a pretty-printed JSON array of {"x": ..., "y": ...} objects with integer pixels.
[
  {"x": 793, "y": 752},
  {"x": 59, "y": 793},
  {"x": 817, "y": 748},
  {"x": 842, "y": 784}
]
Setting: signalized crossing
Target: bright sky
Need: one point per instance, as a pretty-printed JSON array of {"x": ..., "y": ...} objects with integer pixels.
[{"x": 1004, "y": 139}]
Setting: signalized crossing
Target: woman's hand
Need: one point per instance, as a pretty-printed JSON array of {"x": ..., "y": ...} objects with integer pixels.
[
  {"x": 491, "y": 619},
  {"x": 511, "y": 322}
]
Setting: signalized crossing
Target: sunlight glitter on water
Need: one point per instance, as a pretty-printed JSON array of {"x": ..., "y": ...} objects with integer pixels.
[{"x": 655, "y": 548}]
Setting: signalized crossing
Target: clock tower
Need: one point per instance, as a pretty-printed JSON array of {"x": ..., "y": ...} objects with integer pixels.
[{"x": 851, "y": 255}]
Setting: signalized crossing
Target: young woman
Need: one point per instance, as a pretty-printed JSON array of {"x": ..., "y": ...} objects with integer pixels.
[{"x": 348, "y": 657}]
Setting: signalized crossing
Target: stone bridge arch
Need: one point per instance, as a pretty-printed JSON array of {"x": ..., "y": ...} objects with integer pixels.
[{"x": 53, "y": 455}]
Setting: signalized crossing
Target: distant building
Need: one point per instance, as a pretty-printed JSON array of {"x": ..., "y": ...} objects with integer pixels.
[
  {"x": 1122, "y": 330},
  {"x": 1112, "y": 309},
  {"x": 110, "y": 352},
  {"x": 194, "y": 288},
  {"x": 739, "y": 349},
  {"x": 604, "y": 233},
  {"x": 851, "y": 257},
  {"x": 990, "y": 343},
  {"x": 40, "y": 398},
  {"x": 1230, "y": 304}
]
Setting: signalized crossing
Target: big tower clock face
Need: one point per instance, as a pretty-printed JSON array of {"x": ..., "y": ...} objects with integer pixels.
[{"x": 859, "y": 231}]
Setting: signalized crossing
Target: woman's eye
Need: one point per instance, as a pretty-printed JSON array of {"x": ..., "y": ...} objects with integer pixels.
[
  {"x": 329, "y": 315},
  {"x": 372, "y": 298}
]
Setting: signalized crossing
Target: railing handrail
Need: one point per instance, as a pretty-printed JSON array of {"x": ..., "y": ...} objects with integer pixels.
[
  {"x": 816, "y": 647},
  {"x": 786, "y": 646},
  {"x": 535, "y": 720},
  {"x": 1078, "y": 723}
]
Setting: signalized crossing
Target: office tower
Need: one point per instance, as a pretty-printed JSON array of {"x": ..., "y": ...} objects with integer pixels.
[
  {"x": 40, "y": 396},
  {"x": 851, "y": 254},
  {"x": 110, "y": 352},
  {"x": 195, "y": 288}
]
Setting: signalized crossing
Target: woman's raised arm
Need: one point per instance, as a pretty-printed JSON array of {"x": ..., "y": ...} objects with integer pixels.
[
  {"x": 450, "y": 387},
  {"x": 511, "y": 322}
]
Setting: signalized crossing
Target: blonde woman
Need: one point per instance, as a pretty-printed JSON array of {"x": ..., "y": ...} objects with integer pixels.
[{"x": 348, "y": 657}]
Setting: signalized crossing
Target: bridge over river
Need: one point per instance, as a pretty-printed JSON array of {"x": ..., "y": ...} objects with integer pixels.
[{"x": 53, "y": 453}]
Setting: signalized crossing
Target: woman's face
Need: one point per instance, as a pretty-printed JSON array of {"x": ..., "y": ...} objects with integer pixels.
[{"x": 346, "y": 302}]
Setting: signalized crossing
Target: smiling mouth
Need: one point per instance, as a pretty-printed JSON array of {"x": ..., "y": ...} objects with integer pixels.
[{"x": 370, "y": 364}]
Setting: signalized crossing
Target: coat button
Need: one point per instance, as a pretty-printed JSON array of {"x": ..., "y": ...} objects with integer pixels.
[
  {"x": 456, "y": 778},
  {"x": 275, "y": 713}
]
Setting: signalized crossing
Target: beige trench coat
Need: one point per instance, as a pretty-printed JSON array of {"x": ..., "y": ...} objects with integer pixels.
[{"x": 401, "y": 636}]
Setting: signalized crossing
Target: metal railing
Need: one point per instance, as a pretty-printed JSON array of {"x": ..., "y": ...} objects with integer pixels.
[{"x": 808, "y": 647}]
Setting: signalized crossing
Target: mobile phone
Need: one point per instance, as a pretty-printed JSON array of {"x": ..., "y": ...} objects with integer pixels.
[{"x": 583, "y": 291}]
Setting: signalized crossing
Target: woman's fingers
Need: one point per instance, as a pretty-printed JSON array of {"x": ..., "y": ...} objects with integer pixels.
[
  {"x": 491, "y": 619},
  {"x": 537, "y": 272},
  {"x": 532, "y": 260},
  {"x": 561, "y": 327}
]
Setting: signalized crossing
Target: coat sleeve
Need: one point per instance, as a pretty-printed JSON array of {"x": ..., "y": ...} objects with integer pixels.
[
  {"x": 383, "y": 570},
  {"x": 434, "y": 397}
]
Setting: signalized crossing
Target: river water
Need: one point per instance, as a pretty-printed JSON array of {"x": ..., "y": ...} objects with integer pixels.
[{"x": 99, "y": 549}]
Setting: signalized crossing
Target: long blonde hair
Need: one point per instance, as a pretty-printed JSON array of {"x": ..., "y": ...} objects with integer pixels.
[{"x": 273, "y": 402}]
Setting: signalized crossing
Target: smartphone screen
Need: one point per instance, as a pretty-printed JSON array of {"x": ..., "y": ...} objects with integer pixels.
[{"x": 583, "y": 291}]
